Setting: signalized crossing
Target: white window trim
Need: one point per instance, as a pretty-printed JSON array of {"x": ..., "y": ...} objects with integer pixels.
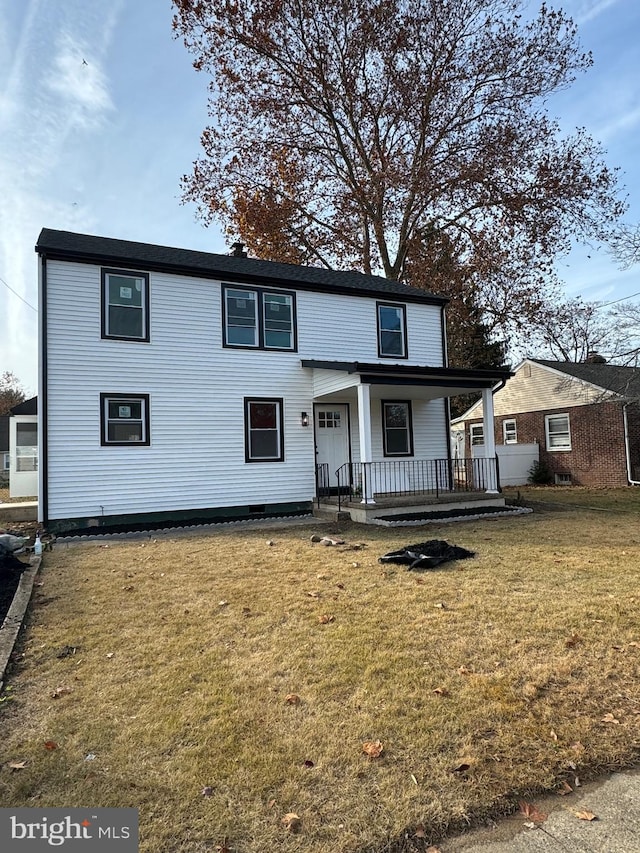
[
  {"x": 475, "y": 428},
  {"x": 547, "y": 419},
  {"x": 509, "y": 422}
]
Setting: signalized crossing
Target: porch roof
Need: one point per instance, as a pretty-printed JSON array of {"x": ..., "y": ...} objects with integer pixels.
[{"x": 427, "y": 382}]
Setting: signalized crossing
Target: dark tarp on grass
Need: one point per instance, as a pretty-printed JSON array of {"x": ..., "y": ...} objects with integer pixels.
[{"x": 426, "y": 555}]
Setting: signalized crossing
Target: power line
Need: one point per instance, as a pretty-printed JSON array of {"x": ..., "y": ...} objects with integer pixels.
[
  {"x": 622, "y": 299},
  {"x": 15, "y": 293}
]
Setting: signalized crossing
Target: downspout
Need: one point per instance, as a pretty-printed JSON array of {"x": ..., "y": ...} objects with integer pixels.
[{"x": 626, "y": 447}]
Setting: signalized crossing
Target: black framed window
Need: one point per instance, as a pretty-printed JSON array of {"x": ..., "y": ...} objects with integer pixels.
[
  {"x": 397, "y": 428},
  {"x": 255, "y": 318},
  {"x": 392, "y": 330},
  {"x": 125, "y": 305},
  {"x": 124, "y": 419},
  {"x": 264, "y": 435}
]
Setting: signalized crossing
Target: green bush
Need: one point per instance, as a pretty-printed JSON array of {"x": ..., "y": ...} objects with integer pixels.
[{"x": 540, "y": 474}]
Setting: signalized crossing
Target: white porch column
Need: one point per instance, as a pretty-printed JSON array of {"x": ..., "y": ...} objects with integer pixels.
[
  {"x": 489, "y": 438},
  {"x": 364, "y": 430}
]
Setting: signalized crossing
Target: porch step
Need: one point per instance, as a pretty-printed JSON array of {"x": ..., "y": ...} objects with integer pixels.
[{"x": 408, "y": 505}]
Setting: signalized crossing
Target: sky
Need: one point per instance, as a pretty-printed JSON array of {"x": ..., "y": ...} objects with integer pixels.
[{"x": 101, "y": 113}]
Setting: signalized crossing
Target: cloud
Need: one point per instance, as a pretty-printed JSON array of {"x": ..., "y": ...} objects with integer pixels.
[
  {"x": 590, "y": 9},
  {"x": 81, "y": 85}
]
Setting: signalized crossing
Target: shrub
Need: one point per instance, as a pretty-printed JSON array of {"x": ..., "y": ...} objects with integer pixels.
[{"x": 540, "y": 474}]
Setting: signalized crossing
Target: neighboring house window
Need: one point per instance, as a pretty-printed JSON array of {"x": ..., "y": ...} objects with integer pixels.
[
  {"x": 124, "y": 419},
  {"x": 397, "y": 429},
  {"x": 509, "y": 432},
  {"x": 125, "y": 305},
  {"x": 6, "y": 463},
  {"x": 476, "y": 431},
  {"x": 558, "y": 432},
  {"x": 392, "y": 331},
  {"x": 264, "y": 439},
  {"x": 259, "y": 319},
  {"x": 26, "y": 447}
]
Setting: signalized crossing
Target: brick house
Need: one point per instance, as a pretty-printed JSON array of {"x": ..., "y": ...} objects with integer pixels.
[{"x": 584, "y": 417}]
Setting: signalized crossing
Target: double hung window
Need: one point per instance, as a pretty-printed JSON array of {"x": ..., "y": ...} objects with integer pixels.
[
  {"x": 392, "y": 330},
  {"x": 124, "y": 419},
  {"x": 125, "y": 305},
  {"x": 264, "y": 438},
  {"x": 558, "y": 432},
  {"x": 397, "y": 432},
  {"x": 509, "y": 431},
  {"x": 259, "y": 319},
  {"x": 476, "y": 434}
]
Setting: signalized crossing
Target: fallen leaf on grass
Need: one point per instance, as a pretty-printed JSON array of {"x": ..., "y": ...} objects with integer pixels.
[
  {"x": 432, "y": 849},
  {"x": 461, "y": 768},
  {"x": 222, "y": 848},
  {"x": 564, "y": 789},
  {"x": 109, "y": 655},
  {"x": 17, "y": 765},
  {"x": 373, "y": 748},
  {"x": 313, "y": 594},
  {"x": 292, "y": 822},
  {"x": 441, "y": 691},
  {"x": 609, "y": 718},
  {"x": 292, "y": 699},
  {"x": 573, "y": 641},
  {"x": 463, "y": 670},
  {"x": 420, "y": 833},
  {"x": 50, "y": 745},
  {"x": 308, "y": 763},
  {"x": 207, "y": 791},
  {"x": 554, "y": 736},
  {"x": 531, "y": 812},
  {"x": 325, "y": 618},
  {"x": 586, "y": 815},
  {"x": 60, "y": 691}
]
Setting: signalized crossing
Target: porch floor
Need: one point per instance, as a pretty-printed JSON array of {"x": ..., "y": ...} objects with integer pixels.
[{"x": 407, "y": 504}]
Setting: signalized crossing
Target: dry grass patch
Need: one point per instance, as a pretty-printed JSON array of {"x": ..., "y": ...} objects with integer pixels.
[{"x": 221, "y": 683}]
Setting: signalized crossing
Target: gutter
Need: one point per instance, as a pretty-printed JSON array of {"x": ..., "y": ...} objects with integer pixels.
[{"x": 626, "y": 447}]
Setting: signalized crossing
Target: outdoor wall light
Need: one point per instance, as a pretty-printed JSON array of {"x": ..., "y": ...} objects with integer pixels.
[{"x": 304, "y": 419}]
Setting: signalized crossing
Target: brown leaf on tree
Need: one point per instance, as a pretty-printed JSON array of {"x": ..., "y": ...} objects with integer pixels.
[
  {"x": 531, "y": 812},
  {"x": 292, "y": 822},
  {"x": 292, "y": 699},
  {"x": 373, "y": 748},
  {"x": 585, "y": 815},
  {"x": 50, "y": 745}
]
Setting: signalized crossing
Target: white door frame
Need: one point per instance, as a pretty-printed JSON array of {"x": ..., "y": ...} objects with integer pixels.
[{"x": 345, "y": 438}]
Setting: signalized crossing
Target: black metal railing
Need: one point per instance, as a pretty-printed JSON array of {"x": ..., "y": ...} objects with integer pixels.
[{"x": 362, "y": 481}]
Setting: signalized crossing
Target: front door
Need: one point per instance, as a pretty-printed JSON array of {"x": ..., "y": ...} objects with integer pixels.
[{"x": 331, "y": 424}]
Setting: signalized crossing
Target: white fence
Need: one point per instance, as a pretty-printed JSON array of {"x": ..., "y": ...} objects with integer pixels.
[{"x": 515, "y": 461}]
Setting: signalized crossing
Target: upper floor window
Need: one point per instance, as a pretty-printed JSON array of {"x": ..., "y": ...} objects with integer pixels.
[
  {"x": 557, "y": 432},
  {"x": 259, "y": 319},
  {"x": 509, "y": 431},
  {"x": 125, "y": 305},
  {"x": 397, "y": 428},
  {"x": 124, "y": 419},
  {"x": 476, "y": 434},
  {"x": 392, "y": 330}
]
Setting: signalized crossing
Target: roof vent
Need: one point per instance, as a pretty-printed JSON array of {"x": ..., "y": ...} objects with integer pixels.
[{"x": 238, "y": 250}]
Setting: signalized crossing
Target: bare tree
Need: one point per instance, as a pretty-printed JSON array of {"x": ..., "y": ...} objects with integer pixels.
[
  {"x": 11, "y": 392},
  {"x": 362, "y": 133},
  {"x": 625, "y": 245}
]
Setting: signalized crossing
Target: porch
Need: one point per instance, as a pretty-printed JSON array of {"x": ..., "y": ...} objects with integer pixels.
[{"x": 370, "y": 490}]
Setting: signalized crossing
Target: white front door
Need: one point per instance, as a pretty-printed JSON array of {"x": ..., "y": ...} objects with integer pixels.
[{"x": 332, "y": 441}]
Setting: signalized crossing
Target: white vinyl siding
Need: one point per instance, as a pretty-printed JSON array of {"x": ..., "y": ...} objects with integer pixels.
[{"x": 196, "y": 387}]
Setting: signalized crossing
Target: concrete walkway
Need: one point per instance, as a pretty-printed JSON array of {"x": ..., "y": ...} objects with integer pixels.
[{"x": 615, "y": 829}]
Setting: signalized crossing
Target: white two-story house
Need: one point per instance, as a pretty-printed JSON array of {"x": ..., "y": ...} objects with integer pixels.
[{"x": 178, "y": 386}]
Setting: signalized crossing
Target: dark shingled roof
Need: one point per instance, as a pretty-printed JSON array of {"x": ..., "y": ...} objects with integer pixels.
[
  {"x": 84, "y": 248},
  {"x": 27, "y": 407},
  {"x": 612, "y": 377}
]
